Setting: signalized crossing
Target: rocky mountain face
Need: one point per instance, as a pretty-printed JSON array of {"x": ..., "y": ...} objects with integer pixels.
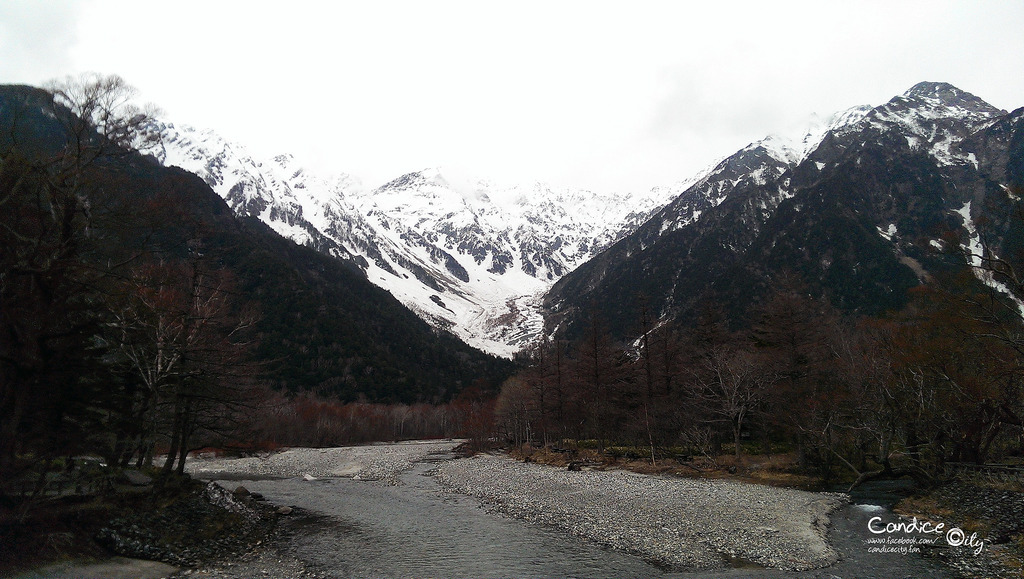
[
  {"x": 467, "y": 255},
  {"x": 861, "y": 210}
]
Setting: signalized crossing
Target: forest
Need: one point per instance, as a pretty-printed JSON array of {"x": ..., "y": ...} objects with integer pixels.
[
  {"x": 904, "y": 394},
  {"x": 115, "y": 330}
]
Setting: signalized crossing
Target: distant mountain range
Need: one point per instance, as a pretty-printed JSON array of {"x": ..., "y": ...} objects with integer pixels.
[
  {"x": 869, "y": 204},
  {"x": 862, "y": 211},
  {"x": 466, "y": 255},
  {"x": 858, "y": 207}
]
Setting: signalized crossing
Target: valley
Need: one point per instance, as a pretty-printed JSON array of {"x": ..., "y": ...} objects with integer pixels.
[
  {"x": 467, "y": 255},
  {"x": 850, "y": 300},
  {"x": 503, "y": 265}
]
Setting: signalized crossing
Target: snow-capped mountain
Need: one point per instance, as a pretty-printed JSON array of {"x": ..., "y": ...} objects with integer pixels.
[
  {"x": 297, "y": 205},
  {"x": 936, "y": 117},
  {"x": 485, "y": 253},
  {"x": 858, "y": 207},
  {"x": 478, "y": 258},
  {"x": 756, "y": 164},
  {"x": 467, "y": 255}
]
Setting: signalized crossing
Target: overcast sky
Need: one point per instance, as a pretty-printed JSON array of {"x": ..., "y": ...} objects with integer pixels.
[{"x": 602, "y": 95}]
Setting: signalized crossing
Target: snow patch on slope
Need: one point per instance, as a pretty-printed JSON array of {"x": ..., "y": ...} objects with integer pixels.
[
  {"x": 936, "y": 117},
  {"x": 975, "y": 256}
]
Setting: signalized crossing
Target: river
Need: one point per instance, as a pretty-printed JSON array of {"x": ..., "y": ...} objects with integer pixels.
[{"x": 351, "y": 528}]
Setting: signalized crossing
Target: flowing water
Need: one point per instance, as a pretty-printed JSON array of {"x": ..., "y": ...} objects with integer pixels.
[{"x": 351, "y": 528}]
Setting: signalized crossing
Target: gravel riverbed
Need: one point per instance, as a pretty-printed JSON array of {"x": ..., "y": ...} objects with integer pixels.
[
  {"x": 677, "y": 522},
  {"x": 414, "y": 509},
  {"x": 376, "y": 462}
]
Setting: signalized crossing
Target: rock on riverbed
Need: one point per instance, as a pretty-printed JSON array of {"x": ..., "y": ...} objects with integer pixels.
[{"x": 683, "y": 523}]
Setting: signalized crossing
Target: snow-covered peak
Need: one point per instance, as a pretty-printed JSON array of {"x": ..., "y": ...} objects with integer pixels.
[
  {"x": 782, "y": 149},
  {"x": 224, "y": 164},
  {"x": 928, "y": 102},
  {"x": 946, "y": 96},
  {"x": 792, "y": 151},
  {"x": 446, "y": 193},
  {"x": 467, "y": 254},
  {"x": 935, "y": 117},
  {"x": 836, "y": 123}
]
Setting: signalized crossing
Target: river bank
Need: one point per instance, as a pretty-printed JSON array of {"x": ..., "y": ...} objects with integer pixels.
[
  {"x": 677, "y": 522},
  {"x": 418, "y": 509},
  {"x": 134, "y": 532},
  {"x": 674, "y": 522},
  {"x": 429, "y": 513}
]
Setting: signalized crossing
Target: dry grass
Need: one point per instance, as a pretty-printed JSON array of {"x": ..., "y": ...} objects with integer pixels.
[
  {"x": 924, "y": 507},
  {"x": 778, "y": 470},
  {"x": 546, "y": 455},
  {"x": 1013, "y": 557},
  {"x": 994, "y": 481},
  {"x": 647, "y": 467}
]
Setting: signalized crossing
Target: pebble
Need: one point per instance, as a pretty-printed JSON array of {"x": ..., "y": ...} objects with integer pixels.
[
  {"x": 375, "y": 462},
  {"x": 681, "y": 523},
  {"x": 175, "y": 533},
  {"x": 1002, "y": 511}
]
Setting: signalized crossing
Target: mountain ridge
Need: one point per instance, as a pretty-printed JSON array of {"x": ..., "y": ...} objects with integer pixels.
[
  {"x": 489, "y": 262},
  {"x": 467, "y": 255},
  {"x": 856, "y": 217}
]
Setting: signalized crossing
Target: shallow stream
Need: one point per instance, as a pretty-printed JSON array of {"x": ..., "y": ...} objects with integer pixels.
[{"x": 351, "y": 528}]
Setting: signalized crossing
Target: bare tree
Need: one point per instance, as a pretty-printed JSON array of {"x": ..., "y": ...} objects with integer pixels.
[
  {"x": 515, "y": 411},
  {"x": 105, "y": 117},
  {"x": 178, "y": 329},
  {"x": 733, "y": 383},
  {"x": 58, "y": 217}
]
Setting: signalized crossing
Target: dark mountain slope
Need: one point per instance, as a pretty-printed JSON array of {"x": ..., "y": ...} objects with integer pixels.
[
  {"x": 862, "y": 219},
  {"x": 329, "y": 329},
  {"x": 669, "y": 258},
  {"x": 322, "y": 325}
]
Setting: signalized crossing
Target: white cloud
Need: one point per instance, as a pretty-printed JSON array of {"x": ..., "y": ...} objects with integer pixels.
[
  {"x": 595, "y": 94},
  {"x": 36, "y": 39}
]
